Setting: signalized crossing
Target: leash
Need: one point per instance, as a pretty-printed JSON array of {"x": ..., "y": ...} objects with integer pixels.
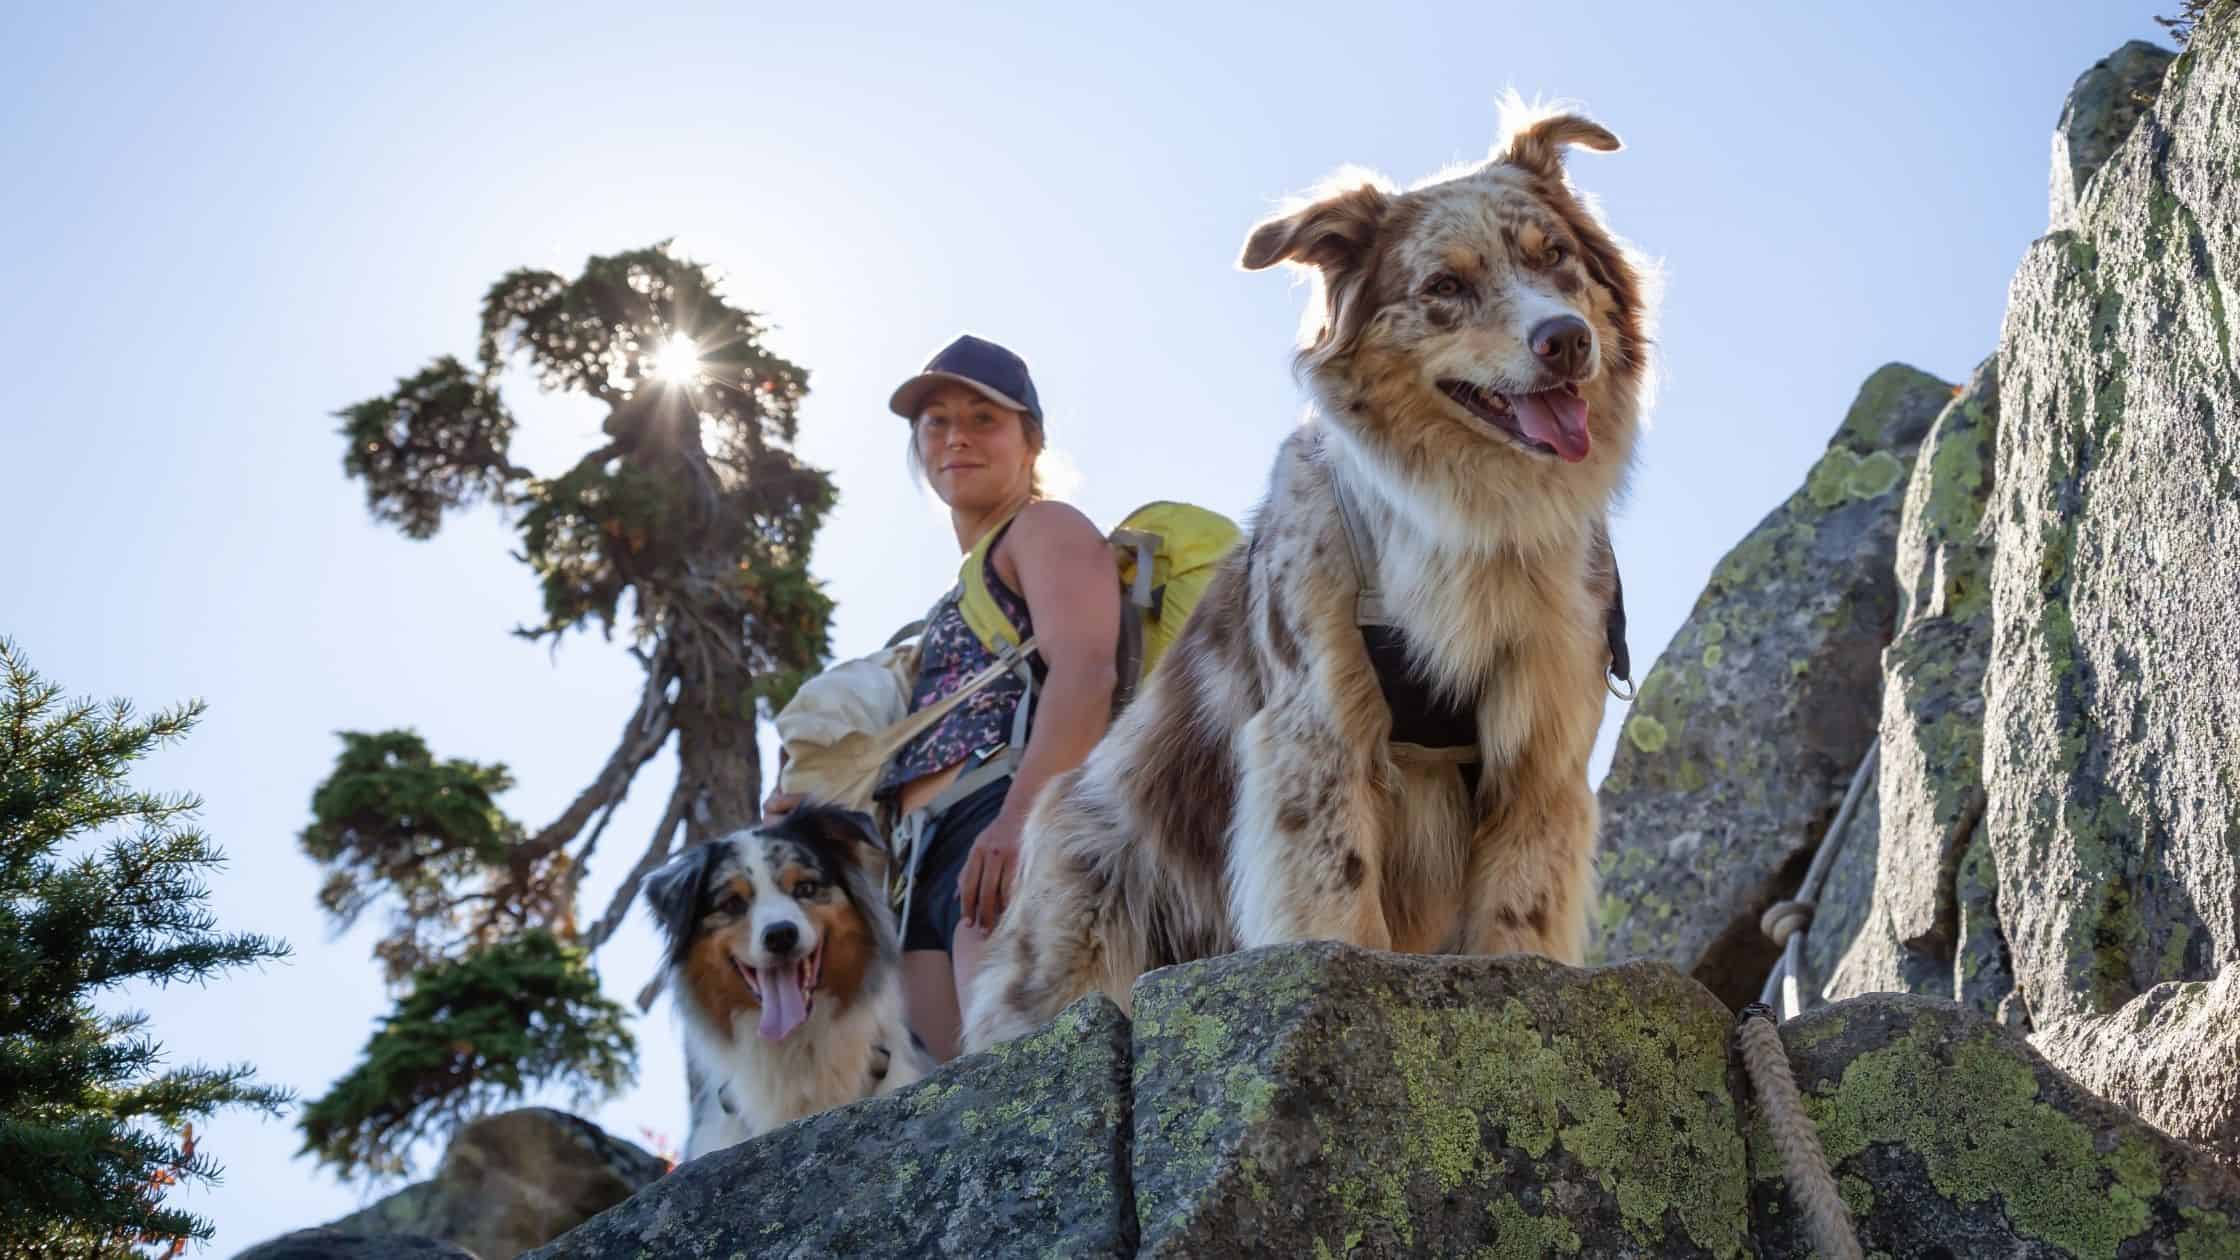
[{"x": 1804, "y": 1163}]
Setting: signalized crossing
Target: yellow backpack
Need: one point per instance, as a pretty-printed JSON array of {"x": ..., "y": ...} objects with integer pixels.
[{"x": 1167, "y": 553}]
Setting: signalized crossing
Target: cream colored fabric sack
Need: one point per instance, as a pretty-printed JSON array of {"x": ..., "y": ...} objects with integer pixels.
[{"x": 835, "y": 729}]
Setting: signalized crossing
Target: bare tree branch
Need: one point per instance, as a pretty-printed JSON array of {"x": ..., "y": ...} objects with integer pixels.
[
  {"x": 657, "y": 852},
  {"x": 642, "y": 737}
]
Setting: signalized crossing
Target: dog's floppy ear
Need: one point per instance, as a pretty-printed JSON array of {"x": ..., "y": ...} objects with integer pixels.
[
  {"x": 1336, "y": 234},
  {"x": 867, "y": 831},
  {"x": 845, "y": 828},
  {"x": 1333, "y": 232},
  {"x": 1538, "y": 145},
  {"x": 673, "y": 892}
]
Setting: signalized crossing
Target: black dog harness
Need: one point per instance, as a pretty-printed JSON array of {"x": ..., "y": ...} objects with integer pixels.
[{"x": 1428, "y": 725}]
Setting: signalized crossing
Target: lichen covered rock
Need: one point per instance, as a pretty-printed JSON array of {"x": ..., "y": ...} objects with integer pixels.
[
  {"x": 2100, "y": 112},
  {"x": 1738, "y": 749},
  {"x": 1019, "y": 1151},
  {"x": 1907, "y": 935},
  {"x": 508, "y": 1182},
  {"x": 1950, "y": 1136},
  {"x": 329, "y": 1243},
  {"x": 2111, "y": 767},
  {"x": 1328, "y": 1101}
]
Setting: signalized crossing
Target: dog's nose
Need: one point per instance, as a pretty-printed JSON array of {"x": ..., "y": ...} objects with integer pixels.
[
  {"x": 1563, "y": 343},
  {"x": 780, "y": 938}
]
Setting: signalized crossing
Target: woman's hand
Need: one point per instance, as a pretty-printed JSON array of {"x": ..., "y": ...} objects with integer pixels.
[
  {"x": 779, "y": 805},
  {"x": 991, "y": 873}
]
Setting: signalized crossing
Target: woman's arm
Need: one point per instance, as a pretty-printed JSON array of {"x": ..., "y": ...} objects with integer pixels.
[{"x": 1071, "y": 583}]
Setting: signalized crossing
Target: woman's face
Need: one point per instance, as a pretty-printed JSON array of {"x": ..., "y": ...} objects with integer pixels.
[{"x": 975, "y": 452}]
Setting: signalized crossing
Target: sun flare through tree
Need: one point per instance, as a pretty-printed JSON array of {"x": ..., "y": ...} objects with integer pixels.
[{"x": 688, "y": 529}]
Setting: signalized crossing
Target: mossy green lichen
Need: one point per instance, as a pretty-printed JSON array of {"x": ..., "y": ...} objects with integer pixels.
[
  {"x": 1827, "y": 485},
  {"x": 1646, "y": 733},
  {"x": 2207, "y": 1236},
  {"x": 1982, "y": 1134},
  {"x": 1874, "y": 475},
  {"x": 1519, "y": 1235},
  {"x": 1665, "y": 1143},
  {"x": 1858, "y": 1195},
  {"x": 1589, "y": 1091},
  {"x": 2173, "y": 965}
]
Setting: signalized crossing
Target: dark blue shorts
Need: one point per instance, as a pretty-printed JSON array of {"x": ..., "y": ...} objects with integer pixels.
[{"x": 935, "y": 909}]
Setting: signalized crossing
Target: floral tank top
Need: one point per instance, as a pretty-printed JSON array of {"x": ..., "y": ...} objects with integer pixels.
[{"x": 949, "y": 654}]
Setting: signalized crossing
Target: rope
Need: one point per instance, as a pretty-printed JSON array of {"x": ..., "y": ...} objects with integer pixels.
[
  {"x": 1813, "y": 1188},
  {"x": 1783, "y": 919},
  {"x": 1788, "y": 984}
]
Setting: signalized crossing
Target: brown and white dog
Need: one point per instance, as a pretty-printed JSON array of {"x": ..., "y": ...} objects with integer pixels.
[
  {"x": 783, "y": 959},
  {"x": 1477, "y": 353}
]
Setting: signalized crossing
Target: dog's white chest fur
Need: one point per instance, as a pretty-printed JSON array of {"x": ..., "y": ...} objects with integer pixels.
[
  {"x": 1480, "y": 619},
  {"x": 754, "y": 1086}
]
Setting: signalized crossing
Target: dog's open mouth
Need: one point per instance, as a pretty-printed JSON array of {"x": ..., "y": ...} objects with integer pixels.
[
  {"x": 1550, "y": 421},
  {"x": 787, "y": 992}
]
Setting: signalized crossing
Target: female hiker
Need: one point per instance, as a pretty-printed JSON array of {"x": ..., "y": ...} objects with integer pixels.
[{"x": 963, "y": 788}]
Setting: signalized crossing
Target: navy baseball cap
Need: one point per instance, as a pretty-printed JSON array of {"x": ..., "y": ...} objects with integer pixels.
[{"x": 978, "y": 364}]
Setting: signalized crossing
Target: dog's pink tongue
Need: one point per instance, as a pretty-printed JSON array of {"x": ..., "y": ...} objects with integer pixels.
[
  {"x": 784, "y": 1005},
  {"x": 1557, "y": 417}
]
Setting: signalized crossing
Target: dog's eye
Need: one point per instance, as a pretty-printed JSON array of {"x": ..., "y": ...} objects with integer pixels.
[
  {"x": 807, "y": 890},
  {"x": 1446, "y": 286},
  {"x": 732, "y": 903},
  {"x": 1556, "y": 256}
]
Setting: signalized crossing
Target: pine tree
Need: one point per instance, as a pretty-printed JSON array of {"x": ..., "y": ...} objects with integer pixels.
[
  {"x": 473, "y": 1033},
  {"x": 689, "y": 528},
  {"x": 91, "y": 1133}
]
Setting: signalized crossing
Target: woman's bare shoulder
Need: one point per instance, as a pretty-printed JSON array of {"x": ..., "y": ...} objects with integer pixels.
[
  {"x": 1049, "y": 521},
  {"x": 1049, "y": 536}
]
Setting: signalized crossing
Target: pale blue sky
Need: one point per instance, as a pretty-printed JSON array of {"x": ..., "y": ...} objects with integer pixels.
[{"x": 225, "y": 223}]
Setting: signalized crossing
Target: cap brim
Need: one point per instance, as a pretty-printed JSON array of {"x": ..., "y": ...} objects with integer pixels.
[{"x": 912, "y": 393}]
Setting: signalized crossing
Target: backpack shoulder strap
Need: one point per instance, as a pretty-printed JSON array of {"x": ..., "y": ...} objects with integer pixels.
[{"x": 976, "y": 602}]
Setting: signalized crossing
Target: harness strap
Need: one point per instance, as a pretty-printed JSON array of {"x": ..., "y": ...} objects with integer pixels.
[
  {"x": 1368, "y": 604},
  {"x": 912, "y": 828},
  {"x": 1426, "y": 725}
]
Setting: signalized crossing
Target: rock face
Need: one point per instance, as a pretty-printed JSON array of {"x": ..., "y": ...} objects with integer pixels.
[
  {"x": 1950, "y": 1136},
  {"x": 1745, "y": 734},
  {"x": 508, "y": 1182},
  {"x": 2100, "y": 112},
  {"x": 1020, "y": 1151},
  {"x": 2054, "y": 836},
  {"x": 329, "y": 1243},
  {"x": 1894, "y": 920},
  {"x": 1326, "y": 1101},
  {"x": 2112, "y": 767}
]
